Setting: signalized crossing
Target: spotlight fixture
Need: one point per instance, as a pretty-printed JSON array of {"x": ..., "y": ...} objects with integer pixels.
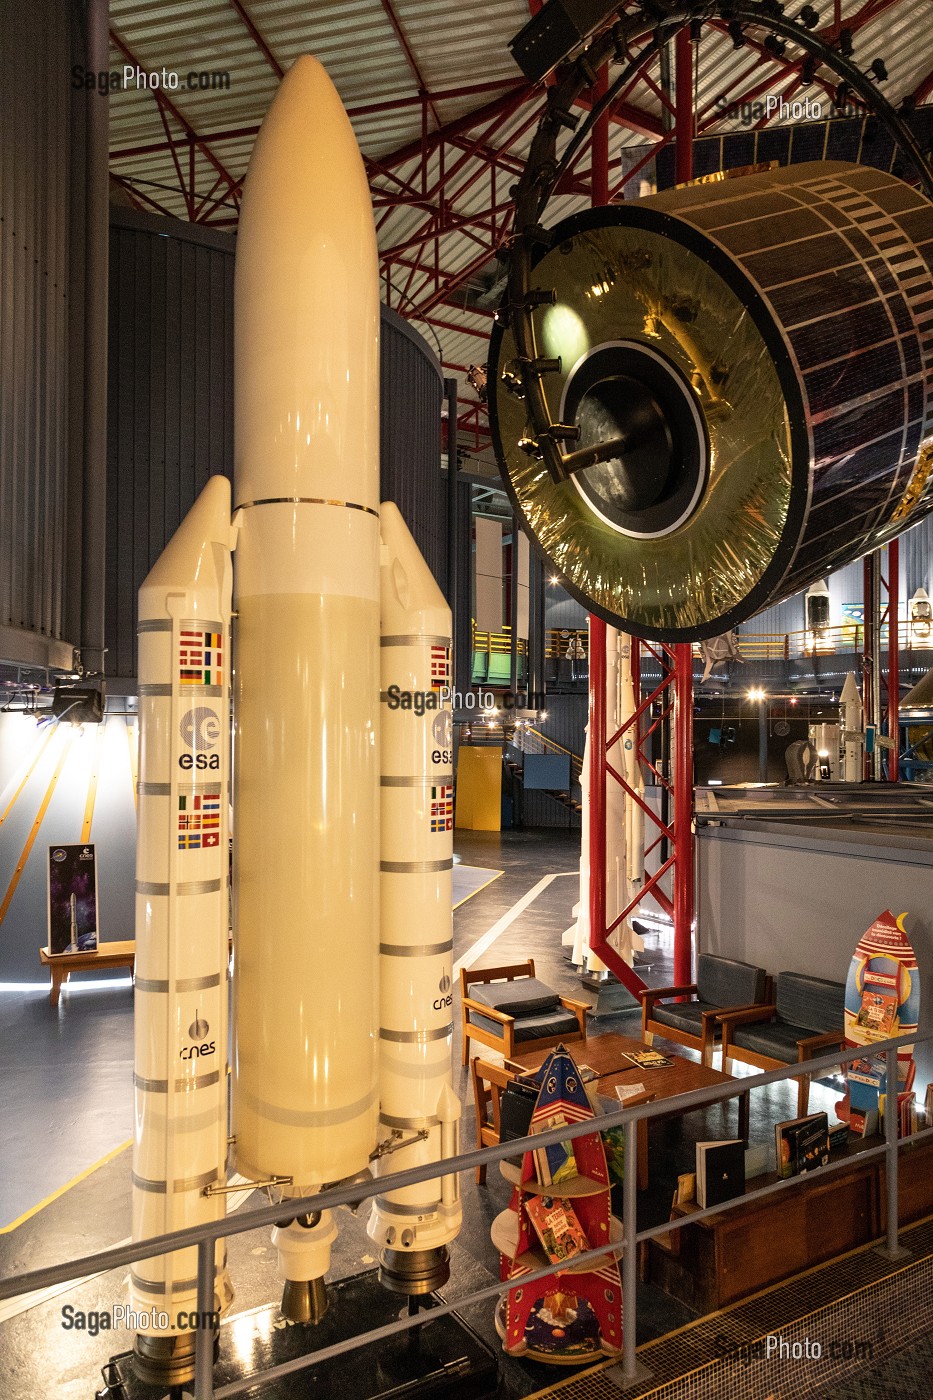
[
  {"x": 757, "y": 694},
  {"x": 846, "y": 45},
  {"x": 696, "y": 29},
  {"x": 879, "y": 71},
  {"x": 736, "y": 34},
  {"x": 841, "y": 95},
  {"x": 807, "y": 70},
  {"x": 775, "y": 45},
  {"x": 809, "y": 17}
]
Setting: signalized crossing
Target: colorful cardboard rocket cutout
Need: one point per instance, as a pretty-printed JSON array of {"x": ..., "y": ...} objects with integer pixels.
[
  {"x": 882, "y": 1000},
  {"x": 883, "y": 985}
]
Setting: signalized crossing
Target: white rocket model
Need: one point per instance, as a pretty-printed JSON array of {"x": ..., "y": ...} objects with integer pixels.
[
  {"x": 853, "y": 731},
  {"x": 625, "y": 835},
  {"x": 182, "y": 922},
  {"x": 419, "y": 1114},
  {"x": 331, "y": 1016}
]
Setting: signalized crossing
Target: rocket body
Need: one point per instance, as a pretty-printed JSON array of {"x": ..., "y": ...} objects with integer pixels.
[
  {"x": 414, "y": 1225},
  {"x": 306, "y": 799},
  {"x": 181, "y": 987}
]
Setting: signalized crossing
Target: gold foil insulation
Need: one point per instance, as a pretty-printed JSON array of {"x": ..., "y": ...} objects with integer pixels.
[{"x": 794, "y": 309}]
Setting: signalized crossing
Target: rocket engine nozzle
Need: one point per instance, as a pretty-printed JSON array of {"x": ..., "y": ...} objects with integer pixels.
[
  {"x": 414, "y": 1272},
  {"x": 303, "y": 1245}
]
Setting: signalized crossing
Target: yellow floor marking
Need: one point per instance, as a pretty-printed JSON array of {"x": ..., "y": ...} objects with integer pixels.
[
  {"x": 82, "y": 1176},
  {"x": 33, "y": 832},
  {"x": 92, "y": 784},
  {"x": 494, "y": 875},
  {"x": 29, "y": 771}
]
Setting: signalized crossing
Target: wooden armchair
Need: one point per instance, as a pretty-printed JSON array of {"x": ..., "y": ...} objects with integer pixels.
[
  {"x": 722, "y": 985},
  {"x": 508, "y": 1009},
  {"x": 488, "y": 1084},
  {"x": 806, "y": 1018}
]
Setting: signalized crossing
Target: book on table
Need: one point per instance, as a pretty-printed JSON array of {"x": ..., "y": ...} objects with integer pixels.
[
  {"x": 557, "y": 1226},
  {"x": 800, "y": 1144},
  {"x": 648, "y": 1059},
  {"x": 720, "y": 1172}
]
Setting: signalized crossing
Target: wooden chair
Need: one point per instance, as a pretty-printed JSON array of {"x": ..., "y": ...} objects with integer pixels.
[
  {"x": 488, "y": 1084},
  {"x": 508, "y": 1009}
]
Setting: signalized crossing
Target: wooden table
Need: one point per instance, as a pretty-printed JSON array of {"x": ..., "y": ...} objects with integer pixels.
[
  {"x": 605, "y": 1054},
  {"x": 107, "y": 954}
]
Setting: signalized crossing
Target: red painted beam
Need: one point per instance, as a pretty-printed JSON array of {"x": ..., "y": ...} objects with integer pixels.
[{"x": 257, "y": 38}]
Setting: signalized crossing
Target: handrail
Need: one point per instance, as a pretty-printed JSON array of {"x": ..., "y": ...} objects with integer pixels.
[
  {"x": 205, "y": 1236},
  {"x": 793, "y": 645}
]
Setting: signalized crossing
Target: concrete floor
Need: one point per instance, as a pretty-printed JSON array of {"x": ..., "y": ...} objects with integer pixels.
[{"x": 67, "y": 1076}]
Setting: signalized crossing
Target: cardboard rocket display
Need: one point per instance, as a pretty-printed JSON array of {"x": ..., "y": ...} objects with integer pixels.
[{"x": 882, "y": 1000}]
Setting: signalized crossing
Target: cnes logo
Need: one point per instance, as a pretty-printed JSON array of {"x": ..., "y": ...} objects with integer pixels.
[
  {"x": 200, "y": 732},
  {"x": 198, "y": 1032},
  {"x": 446, "y": 996}
]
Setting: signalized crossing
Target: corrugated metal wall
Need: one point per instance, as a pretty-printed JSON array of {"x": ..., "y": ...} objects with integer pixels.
[
  {"x": 410, "y": 438},
  {"x": 171, "y": 406},
  {"x": 35, "y": 96},
  {"x": 170, "y": 397}
]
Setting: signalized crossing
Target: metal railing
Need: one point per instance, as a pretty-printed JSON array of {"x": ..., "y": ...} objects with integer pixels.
[{"x": 205, "y": 1236}]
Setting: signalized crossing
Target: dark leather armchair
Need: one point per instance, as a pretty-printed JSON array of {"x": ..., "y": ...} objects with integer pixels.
[
  {"x": 806, "y": 1018},
  {"x": 723, "y": 984}
]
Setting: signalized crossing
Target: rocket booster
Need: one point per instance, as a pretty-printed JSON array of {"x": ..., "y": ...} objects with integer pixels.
[{"x": 306, "y": 789}]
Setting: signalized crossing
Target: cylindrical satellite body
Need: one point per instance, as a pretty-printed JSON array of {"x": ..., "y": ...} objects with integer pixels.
[
  {"x": 419, "y": 1111},
  {"x": 306, "y": 689},
  {"x": 182, "y": 922},
  {"x": 761, "y": 350}
]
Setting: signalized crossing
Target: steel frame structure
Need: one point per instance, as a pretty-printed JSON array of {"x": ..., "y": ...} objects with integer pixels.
[{"x": 423, "y": 273}]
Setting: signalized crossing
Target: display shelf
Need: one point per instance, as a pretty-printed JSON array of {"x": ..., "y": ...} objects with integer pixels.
[
  {"x": 565, "y": 1190},
  {"x": 504, "y": 1234}
]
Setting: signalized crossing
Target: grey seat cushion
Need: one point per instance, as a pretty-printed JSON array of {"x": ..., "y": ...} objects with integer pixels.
[
  {"x": 558, "y": 1023},
  {"x": 778, "y": 1039},
  {"x": 728, "y": 982},
  {"x": 525, "y": 996},
  {"x": 811, "y": 1002},
  {"x": 684, "y": 1016}
]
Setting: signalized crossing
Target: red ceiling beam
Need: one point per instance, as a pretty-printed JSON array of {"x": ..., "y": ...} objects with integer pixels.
[
  {"x": 506, "y": 101},
  {"x": 168, "y": 105},
  {"x": 257, "y": 38},
  {"x": 410, "y": 57}
]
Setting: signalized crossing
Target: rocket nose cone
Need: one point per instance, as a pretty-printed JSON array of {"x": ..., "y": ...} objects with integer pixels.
[
  {"x": 850, "y": 690},
  {"x": 306, "y": 146}
]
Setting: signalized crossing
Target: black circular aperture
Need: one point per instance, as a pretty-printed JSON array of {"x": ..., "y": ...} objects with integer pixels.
[{"x": 630, "y": 392}]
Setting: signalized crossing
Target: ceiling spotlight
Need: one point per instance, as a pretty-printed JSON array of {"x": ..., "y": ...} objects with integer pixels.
[
  {"x": 878, "y": 69},
  {"x": 807, "y": 70},
  {"x": 553, "y": 579},
  {"x": 809, "y": 17},
  {"x": 736, "y": 34},
  {"x": 841, "y": 95},
  {"x": 846, "y": 46},
  {"x": 696, "y": 29},
  {"x": 775, "y": 45}
]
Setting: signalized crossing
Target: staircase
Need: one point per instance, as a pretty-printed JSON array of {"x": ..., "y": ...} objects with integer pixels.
[{"x": 524, "y": 740}]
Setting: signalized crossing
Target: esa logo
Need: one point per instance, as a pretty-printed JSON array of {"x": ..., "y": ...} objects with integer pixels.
[
  {"x": 200, "y": 731},
  {"x": 442, "y": 730},
  {"x": 198, "y": 1031},
  {"x": 446, "y": 996}
]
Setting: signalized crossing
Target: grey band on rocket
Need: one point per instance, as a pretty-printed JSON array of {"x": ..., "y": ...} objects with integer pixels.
[
  {"x": 308, "y": 1118},
  {"x": 396, "y": 1208},
  {"x": 185, "y": 1183},
  {"x": 160, "y": 1086},
  {"x": 165, "y": 624},
  {"x": 416, "y": 1037},
  {"x": 392, "y": 1120},
  {"x": 182, "y": 984},
  {"x": 184, "y": 887},
  {"x": 415, "y": 950},
  {"x": 415, "y": 867},
  {"x": 413, "y": 639},
  {"x": 159, "y": 1289},
  {"x": 417, "y": 781}
]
